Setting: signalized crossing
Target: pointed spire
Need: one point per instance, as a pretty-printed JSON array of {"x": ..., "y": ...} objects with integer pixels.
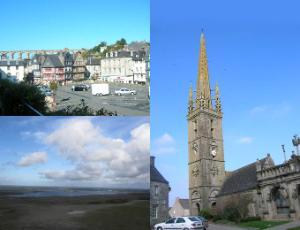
[
  {"x": 191, "y": 100},
  {"x": 218, "y": 101},
  {"x": 203, "y": 86}
]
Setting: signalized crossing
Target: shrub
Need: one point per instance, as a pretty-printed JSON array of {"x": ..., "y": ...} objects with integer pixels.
[
  {"x": 216, "y": 218},
  {"x": 206, "y": 214},
  {"x": 232, "y": 213},
  {"x": 15, "y": 96}
]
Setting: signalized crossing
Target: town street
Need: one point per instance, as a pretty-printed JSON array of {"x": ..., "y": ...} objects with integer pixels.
[{"x": 124, "y": 105}]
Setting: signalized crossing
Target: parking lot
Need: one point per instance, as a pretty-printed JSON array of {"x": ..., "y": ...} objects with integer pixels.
[{"x": 124, "y": 105}]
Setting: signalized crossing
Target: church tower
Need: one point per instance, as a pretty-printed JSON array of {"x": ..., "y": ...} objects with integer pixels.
[{"x": 205, "y": 140}]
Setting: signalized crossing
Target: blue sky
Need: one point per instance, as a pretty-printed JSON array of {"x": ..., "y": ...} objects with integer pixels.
[
  {"x": 57, "y": 24},
  {"x": 75, "y": 151},
  {"x": 253, "y": 53}
]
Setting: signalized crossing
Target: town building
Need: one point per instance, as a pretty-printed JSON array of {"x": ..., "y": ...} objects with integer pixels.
[
  {"x": 260, "y": 189},
  {"x": 79, "y": 68},
  {"x": 159, "y": 195},
  {"x": 124, "y": 66},
  {"x": 93, "y": 67},
  {"x": 52, "y": 69},
  {"x": 12, "y": 69},
  {"x": 34, "y": 66},
  {"x": 181, "y": 207},
  {"x": 68, "y": 61}
]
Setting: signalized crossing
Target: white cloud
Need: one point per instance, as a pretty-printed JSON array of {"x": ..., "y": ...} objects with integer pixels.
[
  {"x": 98, "y": 157},
  {"x": 33, "y": 158},
  {"x": 273, "y": 111},
  {"x": 38, "y": 136},
  {"x": 164, "y": 145},
  {"x": 245, "y": 140}
]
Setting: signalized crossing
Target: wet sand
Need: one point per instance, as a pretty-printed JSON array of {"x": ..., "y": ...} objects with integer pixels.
[{"x": 122, "y": 211}]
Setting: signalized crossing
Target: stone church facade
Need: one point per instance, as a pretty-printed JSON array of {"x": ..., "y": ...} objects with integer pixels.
[{"x": 266, "y": 190}]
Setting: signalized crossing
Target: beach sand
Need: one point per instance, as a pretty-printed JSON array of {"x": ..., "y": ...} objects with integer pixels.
[{"x": 122, "y": 211}]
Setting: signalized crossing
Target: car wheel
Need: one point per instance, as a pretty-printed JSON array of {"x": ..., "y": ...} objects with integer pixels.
[
  {"x": 100, "y": 94},
  {"x": 119, "y": 94},
  {"x": 132, "y": 93},
  {"x": 159, "y": 228},
  {"x": 185, "y": 229}
]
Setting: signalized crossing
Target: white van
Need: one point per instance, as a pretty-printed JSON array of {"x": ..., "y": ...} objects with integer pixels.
[{"x": 100, "y": 89}]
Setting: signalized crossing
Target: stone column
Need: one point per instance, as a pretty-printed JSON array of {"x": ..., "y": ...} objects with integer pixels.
[
  {"x": 20, "y": 55},
  {"x": 28, "y": 55},
  {"x": 12, "y": 54},
  {"x": 3, "y": 56}
]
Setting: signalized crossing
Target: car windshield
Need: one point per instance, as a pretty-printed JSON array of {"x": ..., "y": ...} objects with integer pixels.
[
  {"x": 194, "y": 219},
  {"x": 171, "y": 221}
]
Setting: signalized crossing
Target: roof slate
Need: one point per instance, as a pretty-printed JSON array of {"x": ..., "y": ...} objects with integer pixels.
[
  {"x": 156, "y": 176},
  {"x": 240, "y": 180},
  {"x": 52, "y": 61},
  {"x": 184, "y": 203}
]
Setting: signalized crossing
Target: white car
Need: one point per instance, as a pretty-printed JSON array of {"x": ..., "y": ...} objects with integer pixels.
[
  {"x": 183, "y": 223},
  {"x": 125, "y": 91}
]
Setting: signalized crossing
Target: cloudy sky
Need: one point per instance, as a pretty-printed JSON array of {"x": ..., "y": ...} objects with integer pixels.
[
  {"x": 87, "y": 151},
  {"x": 253, "y": 53}
]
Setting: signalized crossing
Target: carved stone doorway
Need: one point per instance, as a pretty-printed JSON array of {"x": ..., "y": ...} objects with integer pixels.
[{"x": 280, "y": 198}]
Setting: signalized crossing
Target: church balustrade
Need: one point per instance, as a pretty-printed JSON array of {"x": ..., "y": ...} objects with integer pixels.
[{"x": 278, "y": 170}]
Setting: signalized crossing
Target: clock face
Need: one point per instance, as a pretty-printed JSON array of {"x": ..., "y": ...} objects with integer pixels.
[{"x": 214, "y": 152}]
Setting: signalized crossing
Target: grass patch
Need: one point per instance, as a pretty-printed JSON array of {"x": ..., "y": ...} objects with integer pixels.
[
  {"x": 295, "y": 228},
  {"x": 261, "y": 224}
]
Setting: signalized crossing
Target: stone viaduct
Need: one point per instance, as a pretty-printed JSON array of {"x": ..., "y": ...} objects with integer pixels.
[{"x": 10, "y": 54}]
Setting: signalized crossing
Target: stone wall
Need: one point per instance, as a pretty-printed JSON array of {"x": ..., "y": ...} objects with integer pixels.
[{"x": 159, "y": 200}]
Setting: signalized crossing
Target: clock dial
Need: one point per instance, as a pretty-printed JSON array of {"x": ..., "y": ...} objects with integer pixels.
[{"x": 214, "y": 152}]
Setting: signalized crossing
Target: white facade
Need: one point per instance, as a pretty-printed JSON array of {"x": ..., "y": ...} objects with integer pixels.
[
  {"x": 94, "y": 70},
  {"x": 118, "y": 68},
  {"x": 139, "y": 71},
  {"x": 13, "y": 70}
]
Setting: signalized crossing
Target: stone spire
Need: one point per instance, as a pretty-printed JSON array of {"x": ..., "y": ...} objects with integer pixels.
[
  {"x": 218, "y": 101},
  {"x": 191, "y": 99},
  {"x": 203, "y": 87}
]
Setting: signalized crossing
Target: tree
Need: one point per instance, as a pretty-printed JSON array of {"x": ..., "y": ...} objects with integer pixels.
[
  {"x": 121, "y": 42},
  {"x": 29, "y": 78},
  {"x": 53, "y": 87},
  {"x": 15, "y": 99}
]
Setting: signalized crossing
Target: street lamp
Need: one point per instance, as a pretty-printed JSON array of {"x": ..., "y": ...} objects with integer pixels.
[{"x": 296, "y": 143}]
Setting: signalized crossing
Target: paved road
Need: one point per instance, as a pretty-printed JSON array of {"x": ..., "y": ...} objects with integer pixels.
[{"x": 124, "y": 105}]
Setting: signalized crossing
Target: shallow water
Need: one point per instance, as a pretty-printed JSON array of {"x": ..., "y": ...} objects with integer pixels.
[{"x": 61, "y": 191}]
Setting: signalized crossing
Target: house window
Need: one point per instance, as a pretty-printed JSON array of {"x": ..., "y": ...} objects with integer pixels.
[
  {"x": 154, "y": 213},
  {"x": 8, "y": 67},
  {"x": 156, "y": 188}
]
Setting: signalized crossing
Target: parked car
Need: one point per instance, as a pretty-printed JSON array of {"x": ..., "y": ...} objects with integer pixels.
[
  {"x": 183, "y": 223},
  {"x": 45, "y": 90},
  {"x": 81, "y": 87},
  {"x": 125, "y": 91},
  {"x": 204, "y": 222},
  {"x": 87, "y": 86}
]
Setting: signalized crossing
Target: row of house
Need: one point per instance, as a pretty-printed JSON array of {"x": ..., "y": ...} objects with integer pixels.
[{"x": 119, "y": 66}]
